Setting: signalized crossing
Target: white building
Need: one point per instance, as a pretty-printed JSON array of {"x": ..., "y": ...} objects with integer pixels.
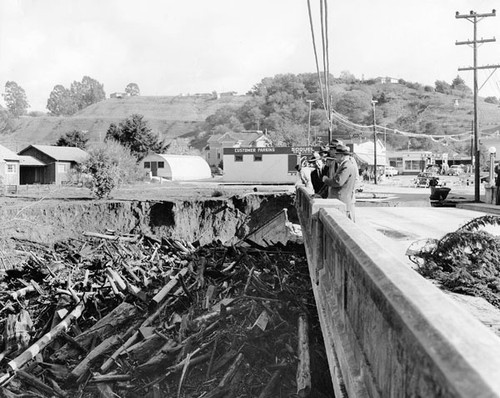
[
  {"x": 216, "y": 143},
  {"x": 263, "y": 164},
  {"x": 176, "y": 167},
  {"x": 365, "y": 153}
]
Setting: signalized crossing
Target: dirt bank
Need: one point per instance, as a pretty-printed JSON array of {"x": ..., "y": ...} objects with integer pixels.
[{"x": 203, "y": 220}]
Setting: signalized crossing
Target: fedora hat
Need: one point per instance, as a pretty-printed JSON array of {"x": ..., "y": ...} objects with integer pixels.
[
  {"x": 315, "y": 156},
  {"x": 334, "y": 143},
  {"x": 342, "y": 149}
]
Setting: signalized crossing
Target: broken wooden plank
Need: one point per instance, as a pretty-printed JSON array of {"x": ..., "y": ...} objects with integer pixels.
[
  {"x": 303, "y": 367},
  {"x": 121, "y": 315},
  {"x": 268, "y": 391},
  {"x": 18, "y": 362},
  {"x": 160, "y": 296},
  {"x": 37, "y": 383},
  {"x": 101, "y": 349}
]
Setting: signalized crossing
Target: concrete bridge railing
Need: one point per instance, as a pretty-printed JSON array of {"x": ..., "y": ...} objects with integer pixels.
[{"x": 389, "y": 332}]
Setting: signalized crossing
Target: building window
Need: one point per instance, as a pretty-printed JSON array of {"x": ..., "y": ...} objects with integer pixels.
[
  {"x": 161, "y": 165},
  {"x": 412, "y": 165},
  {"x": 61, "y": 168},
  {"x": 396, "y": 162},
  {"x": 257, "y": 158},
  {"x": 147, "y": 165},
  {"x": 11, "y": 168},
  {"x": 238, "y": 158}
]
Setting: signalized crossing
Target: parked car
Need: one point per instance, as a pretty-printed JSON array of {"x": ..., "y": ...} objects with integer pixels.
[
  {"x": 433, "y": 168},
  {"x": 455, "y": 170},
  {"x": 423, "y": 179},
  {"x": 390, "y": 171}
]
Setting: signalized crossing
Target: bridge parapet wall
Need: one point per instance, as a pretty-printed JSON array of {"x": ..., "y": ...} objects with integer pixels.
[{"x": 388, "y": 331}]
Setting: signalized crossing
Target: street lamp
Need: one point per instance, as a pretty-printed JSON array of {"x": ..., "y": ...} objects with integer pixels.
[
  {"x": 374, "y": 144},
  {"x": 309, "y": 123}
]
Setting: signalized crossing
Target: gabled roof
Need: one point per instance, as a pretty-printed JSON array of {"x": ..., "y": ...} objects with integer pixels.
[
  {"x": 30, "y": 161},
  {"x": 214, "y": 138},
  {"x": 60, "y": 153},
  {"x": 7, "y": 154},
  {"x": 243, "y": 139}
]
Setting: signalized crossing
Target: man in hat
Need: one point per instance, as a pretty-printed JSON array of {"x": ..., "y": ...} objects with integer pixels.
[
  {"x": 341, "y": 183},
  {"x": 320, "y": 170}
]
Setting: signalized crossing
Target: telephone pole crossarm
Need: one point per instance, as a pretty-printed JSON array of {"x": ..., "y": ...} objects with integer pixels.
[
  {"x": 480, "y": 67},
  {"x": 472, "y": 14},
  {"x": 459, "y": 43}
]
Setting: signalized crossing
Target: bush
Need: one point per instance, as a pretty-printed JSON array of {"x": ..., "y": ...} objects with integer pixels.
[{"x": 108, "y": 166}]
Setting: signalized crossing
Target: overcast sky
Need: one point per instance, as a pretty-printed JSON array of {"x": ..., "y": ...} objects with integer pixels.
[{"x": 170, "y": 47}]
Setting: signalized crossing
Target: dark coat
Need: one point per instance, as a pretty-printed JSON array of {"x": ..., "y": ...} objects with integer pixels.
[{"x": 317, "y": 180}]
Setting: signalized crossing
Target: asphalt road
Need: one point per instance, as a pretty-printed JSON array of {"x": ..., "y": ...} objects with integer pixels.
[{"x": 401, "y": 191}]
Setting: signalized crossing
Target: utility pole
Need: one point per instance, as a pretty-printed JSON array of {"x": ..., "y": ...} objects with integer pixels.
[
  {"x": 309, "y": 124},
  {"x": 374, "y": 144},
  {"x": 475, "y": 18}
]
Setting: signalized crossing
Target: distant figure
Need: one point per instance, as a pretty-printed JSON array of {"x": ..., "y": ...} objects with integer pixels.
[
  {"x": 497, "y": 184},
  {"x": 341, "y": 183}
]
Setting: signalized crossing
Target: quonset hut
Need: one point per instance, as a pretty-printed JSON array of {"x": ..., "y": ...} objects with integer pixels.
[{"x": 176, "y": 167}]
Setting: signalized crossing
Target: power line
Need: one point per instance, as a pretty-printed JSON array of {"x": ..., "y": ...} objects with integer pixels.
[
  {"x": 326, "y": 63},
  {"x": 316, "y": 58},
  {"x": 325, "y": 93}
]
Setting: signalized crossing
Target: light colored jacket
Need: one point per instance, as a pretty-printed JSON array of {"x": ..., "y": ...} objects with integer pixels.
[
  {"x": 305, "y": 178},
  {"x": 341, "y": 184}
]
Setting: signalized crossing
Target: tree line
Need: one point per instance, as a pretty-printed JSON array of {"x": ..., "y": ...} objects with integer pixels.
[
  {"x": 62, "y": 101},
  {"x": 280, "y": 106}
]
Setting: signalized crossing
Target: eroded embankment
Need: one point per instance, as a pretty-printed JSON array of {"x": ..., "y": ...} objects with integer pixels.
[{"x": 203, "y": 221}]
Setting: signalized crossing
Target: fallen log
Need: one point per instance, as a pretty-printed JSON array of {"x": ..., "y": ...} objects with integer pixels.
[
  {"x": 160, "y": 296},
  {"x": 38, "y": 384},
  {"x": 105, "y": 327},
  {"x": 22, "y": 292},
  {"x": 84, "y": 365},
  {"x": 105, "y": 390},
  {"x": 117, "y": 279},
  {"x": 133, "y": 338},
  {"x": 145, "y": 349},
  {"x": 98, "y": 378},
  {"x": 268, "y": 390},
  {"x": 303, "y": 368},
  {"x": 18, "y": 362},
  {"x": 226, "y": 379},
  {"x": 112, "y": 237},
  {"x": 161, "y": 359}
]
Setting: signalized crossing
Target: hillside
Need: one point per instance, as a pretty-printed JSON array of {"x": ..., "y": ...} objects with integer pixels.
[
  {"x": 169, "y": 116},
  {"x": 452, "y": 113},
  {"x": 174, "y": 116}
]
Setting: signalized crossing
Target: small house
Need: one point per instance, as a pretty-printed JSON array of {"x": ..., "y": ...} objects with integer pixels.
[
  {"x": 9, "y": 167},
  {"x": 46, "y": 164}
]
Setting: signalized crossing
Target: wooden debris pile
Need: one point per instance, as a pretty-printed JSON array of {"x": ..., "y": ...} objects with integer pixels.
[{"x": 134, "y": 316}]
